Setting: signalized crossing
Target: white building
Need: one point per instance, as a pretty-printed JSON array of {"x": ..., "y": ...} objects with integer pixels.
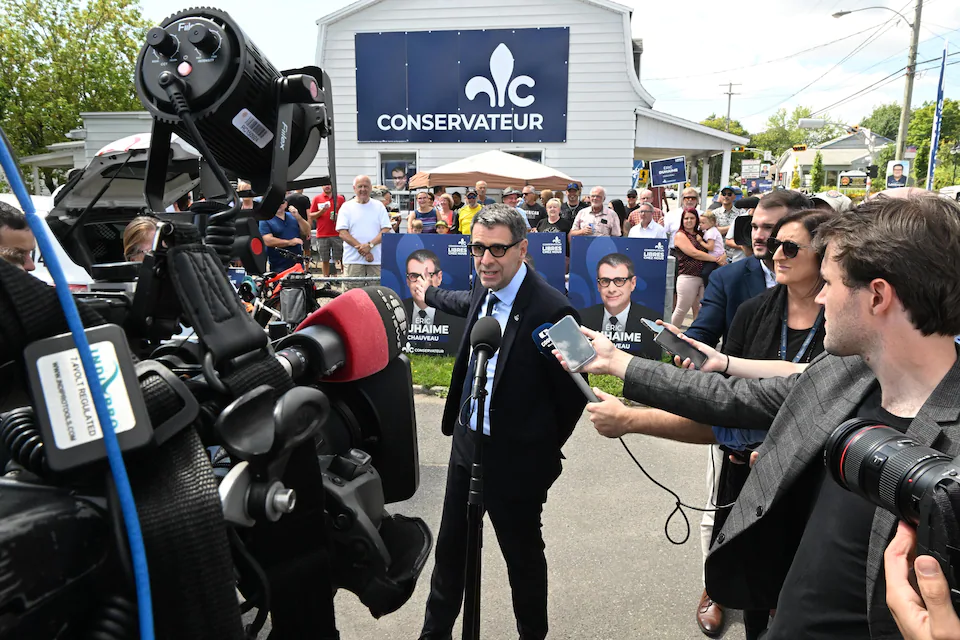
[
  {"x": 849, "y": 152},
  {"x": 609, "y": 120}
]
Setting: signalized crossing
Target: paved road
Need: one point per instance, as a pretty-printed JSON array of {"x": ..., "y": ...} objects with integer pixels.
[{"x": 613, "y": 574}]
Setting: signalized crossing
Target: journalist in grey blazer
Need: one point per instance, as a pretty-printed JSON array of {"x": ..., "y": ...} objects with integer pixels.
[{"x": 748, "y": 563}]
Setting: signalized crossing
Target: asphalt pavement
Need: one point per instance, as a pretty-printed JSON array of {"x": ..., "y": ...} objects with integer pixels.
[{"x": 612, "y": 573}]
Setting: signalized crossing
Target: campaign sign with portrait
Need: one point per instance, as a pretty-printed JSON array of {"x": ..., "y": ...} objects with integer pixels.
[
  {"x": 443, "y": 262},
  {"x": 614, "y": 282},
  {"x": 898, "y": 174},
  {"x": 547, "y": 253}
]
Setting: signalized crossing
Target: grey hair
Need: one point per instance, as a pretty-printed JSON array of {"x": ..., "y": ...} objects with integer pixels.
[
  {"x": 602, "y": 190},
  {"x": 501, "y": 214},
  {"x": 646, "y": 204}
]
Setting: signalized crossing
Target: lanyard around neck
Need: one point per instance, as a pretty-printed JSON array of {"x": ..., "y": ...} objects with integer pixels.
[{"x": 806, "y": 343}]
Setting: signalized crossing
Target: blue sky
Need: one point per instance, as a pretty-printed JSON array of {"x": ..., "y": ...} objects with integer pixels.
[{"x": 688, "y": 55}]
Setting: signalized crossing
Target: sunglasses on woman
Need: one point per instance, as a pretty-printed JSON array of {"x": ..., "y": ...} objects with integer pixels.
[{"x": 790, "y": 248}]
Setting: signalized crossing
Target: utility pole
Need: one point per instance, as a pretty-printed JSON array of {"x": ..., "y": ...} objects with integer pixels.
[
  {"x": 729, "y": 93},
  {"x": 908, "y": 88}
]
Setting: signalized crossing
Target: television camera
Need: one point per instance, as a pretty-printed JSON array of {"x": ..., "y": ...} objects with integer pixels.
[{"x": 256, "y": 466}]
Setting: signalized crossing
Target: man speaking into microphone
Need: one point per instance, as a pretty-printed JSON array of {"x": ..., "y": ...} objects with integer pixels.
[{"x": 531, "y": 409}]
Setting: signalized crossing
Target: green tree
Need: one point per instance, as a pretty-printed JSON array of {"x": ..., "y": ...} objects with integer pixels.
[
  {"x": 816, "y": 173},
  {"x": 884, "y": 120},
  {"x": 58, "y": 59},
  {"x": 920, "y": 128},
  {"x": 783, "y": 131},
  {"x": 716, "y": 162}
]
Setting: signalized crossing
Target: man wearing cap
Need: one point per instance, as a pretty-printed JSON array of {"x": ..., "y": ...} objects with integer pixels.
[
  {"x": 837, "y": 201},
  {"x": 642, "y": 198},
  {"x": 464, "y": 216},
  {"x": 482, "y": 198},
  {"x": 570, "y": 208},
  {"x": 597, "y": 220},
  {"x": 510, "y": 197},
  {"x": 726, "y": 213},
  {"x": 531, "y": 208}
]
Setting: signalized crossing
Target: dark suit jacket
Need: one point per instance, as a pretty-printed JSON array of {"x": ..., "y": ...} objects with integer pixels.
[
  {"x": 750, "y": 558},
  {"x": 729, "y": 287},
  {"x": 534, "y": 405},
  {"x": 646, "y": 347}
]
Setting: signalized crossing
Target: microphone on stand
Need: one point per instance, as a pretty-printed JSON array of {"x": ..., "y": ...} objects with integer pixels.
[
  {"x": 485, "y": 340},
  {"x": 545, "y": 346}
]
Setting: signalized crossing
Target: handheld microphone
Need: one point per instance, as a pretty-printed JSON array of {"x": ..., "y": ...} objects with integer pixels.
[
  {"x": 545, "y": 346},
  {"x": 355, "y": 335},
  {"x": 485, "y": 340}
]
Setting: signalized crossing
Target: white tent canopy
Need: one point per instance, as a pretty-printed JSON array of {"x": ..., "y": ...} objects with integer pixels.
[{"x": 498, "y": 169}]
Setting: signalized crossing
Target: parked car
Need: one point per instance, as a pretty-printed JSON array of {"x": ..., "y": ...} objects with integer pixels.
[
  {"x": 952, "y": 193},
  {"x": 123, "y": 165}
]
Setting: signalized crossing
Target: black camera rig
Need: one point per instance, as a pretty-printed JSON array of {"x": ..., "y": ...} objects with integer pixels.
[{"x": 251, "y": 469}]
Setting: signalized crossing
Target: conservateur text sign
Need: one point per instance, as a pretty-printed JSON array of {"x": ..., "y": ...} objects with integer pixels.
[{"x": 498, "y": 85}]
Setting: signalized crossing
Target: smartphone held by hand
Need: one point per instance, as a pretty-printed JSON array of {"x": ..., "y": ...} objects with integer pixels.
[
  {"x": 674, "y": 345},
  {"x": 571, "y": 343}
]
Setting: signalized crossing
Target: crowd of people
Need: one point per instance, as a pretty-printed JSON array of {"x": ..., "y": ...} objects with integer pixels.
[{"x": 826, "y": 312}]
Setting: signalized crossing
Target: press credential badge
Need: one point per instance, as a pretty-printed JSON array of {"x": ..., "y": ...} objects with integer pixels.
[{"x": 73, "y": 417}]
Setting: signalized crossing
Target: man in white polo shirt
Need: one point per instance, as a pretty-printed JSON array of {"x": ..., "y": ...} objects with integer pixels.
[{"x": 361, "y": 224}]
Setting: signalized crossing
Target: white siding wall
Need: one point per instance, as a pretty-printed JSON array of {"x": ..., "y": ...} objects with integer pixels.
[
  {"x": 104, "y": 128},
  {"x": 601, "y": 99}
]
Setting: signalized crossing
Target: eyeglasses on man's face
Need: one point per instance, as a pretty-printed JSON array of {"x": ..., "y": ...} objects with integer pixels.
[
  {"x": 617, "y": 282},
  {"x": 413, "y": 277},
  {"x": 496, "y": 250}
]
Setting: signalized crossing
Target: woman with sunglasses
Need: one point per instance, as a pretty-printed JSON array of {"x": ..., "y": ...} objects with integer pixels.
[
  {"x": 784, "y": 323},
  {"x": 691, "y": 256}
]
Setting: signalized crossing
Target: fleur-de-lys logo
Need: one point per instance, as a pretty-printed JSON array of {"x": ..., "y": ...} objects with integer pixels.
[{"x": 502, "y": 87}]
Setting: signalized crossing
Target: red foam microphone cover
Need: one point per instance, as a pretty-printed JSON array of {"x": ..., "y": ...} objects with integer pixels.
[{"x": 372, "y": 324}]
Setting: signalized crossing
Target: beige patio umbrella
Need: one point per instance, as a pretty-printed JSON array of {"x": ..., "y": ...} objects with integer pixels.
[{"x": 498, "y": 169}]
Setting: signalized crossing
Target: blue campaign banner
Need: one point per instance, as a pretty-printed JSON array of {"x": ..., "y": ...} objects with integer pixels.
[
  {"x": 602, "y": 257},
  {"x": 635, "y": 174},
  {"x": 443, "y": 261},
  {"x": 495, "y": 85},
  {"x": 548, "y": 254},
  {"x": 668, "y": 171}
]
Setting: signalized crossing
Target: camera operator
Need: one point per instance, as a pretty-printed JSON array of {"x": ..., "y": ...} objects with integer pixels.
[
  {"x": 17, "y": 243},
  {"x": 892, "y": 306}
]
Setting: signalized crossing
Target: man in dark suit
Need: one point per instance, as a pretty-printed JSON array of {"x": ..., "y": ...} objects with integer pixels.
[
  {"x": 795, "y": 540},
  {"x": 617, "y": 316},
  {"x": 532, "y": 407},
  {"x": 428, "y": 327}
]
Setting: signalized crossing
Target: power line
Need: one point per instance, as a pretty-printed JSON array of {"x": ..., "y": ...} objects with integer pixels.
[
  {"x": 882, "y": 82},
  {"x": 760, "y": 64},
  {"x": 856, "y": 49}
]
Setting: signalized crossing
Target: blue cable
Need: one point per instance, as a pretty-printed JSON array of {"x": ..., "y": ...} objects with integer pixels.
[{"x": 138, "y": 553}]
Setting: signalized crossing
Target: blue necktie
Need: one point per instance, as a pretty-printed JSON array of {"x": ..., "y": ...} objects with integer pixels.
[{"x": 492, "y": 301}]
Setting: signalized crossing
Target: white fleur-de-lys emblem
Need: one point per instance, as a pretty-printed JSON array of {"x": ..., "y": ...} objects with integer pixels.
[{"x": 502, "y": 87}]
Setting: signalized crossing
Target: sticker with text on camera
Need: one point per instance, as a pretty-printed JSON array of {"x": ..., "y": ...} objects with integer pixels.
[
  {"x": 250, "y": 126},
  {"x": 73, "y": 417}
]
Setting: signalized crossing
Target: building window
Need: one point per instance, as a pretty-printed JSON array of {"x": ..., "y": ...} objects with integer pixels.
[{"x": 533, "y": 154}]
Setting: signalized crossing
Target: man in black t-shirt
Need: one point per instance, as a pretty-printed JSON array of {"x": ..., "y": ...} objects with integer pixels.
[
  {"x": 794, "y": 540},
  {"x": 532, "y": 207}
]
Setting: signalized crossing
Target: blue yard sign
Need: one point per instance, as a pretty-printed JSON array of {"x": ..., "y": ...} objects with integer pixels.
[
  {"x": 668, "y": 171},
  {"x": 496, "y": 85}
]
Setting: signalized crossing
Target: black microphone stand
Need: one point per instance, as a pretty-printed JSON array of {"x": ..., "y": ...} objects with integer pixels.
[{"x": 471, "y": 599}]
